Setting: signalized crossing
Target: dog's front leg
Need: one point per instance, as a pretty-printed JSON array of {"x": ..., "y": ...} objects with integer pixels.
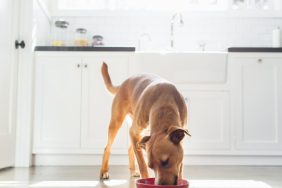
[
  {"x": 135, "y": 138},
  {"x": 180, "y": 176},
  {"x": 131, "y": 157}
]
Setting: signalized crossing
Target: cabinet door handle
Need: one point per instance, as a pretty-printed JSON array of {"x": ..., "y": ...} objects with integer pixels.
[
  {"x": 85, "y": 66},
  {"x": 78, "y": 65},
  {"x": 19, "y": 44},
  {"x": 259, "y": 60}
]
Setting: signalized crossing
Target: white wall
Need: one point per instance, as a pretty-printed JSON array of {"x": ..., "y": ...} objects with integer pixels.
[
  {"x": 41, "y": 22},
  {"x": 217, "y": 32}
]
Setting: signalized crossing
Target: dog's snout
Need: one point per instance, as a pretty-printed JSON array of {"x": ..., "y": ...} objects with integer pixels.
[{"x": 173, "y": 181}]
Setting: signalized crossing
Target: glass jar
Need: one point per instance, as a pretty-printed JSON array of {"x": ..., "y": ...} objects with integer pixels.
[
  {"x": 263, "y": 4},
  {"x": 59, "y": 33},
  {"x": 97, "y": 40},
  {"x": 81, "y": 37},
  {"x": 239, "y": 4}
]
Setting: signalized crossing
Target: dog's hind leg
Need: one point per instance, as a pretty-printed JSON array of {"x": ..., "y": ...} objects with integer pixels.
[
  {"x": 131, "y": 157},
  {"x": 118, "y": 115}
]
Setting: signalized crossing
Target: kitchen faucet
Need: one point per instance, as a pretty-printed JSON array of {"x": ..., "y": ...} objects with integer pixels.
[{"x": 172, "y": 22}]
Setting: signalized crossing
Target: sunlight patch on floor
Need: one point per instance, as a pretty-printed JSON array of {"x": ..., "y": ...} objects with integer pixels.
[
  {"x": 110, "y": 183},
  {"x": 199, "y": 183},
  {"x": 65, "y": 184},
  {"x": 227, "y": 184},
  {"x": 11, "y": 184}
]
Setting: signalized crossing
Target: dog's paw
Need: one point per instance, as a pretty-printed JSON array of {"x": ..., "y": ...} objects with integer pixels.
[
  {"x": 104, "y": 175},
  {"x": 135, "y": 174}
]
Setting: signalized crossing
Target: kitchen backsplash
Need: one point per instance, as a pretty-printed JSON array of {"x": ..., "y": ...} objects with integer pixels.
[
  {"x": 203, "y": 32},
  {"x": 41, "y": 25}
]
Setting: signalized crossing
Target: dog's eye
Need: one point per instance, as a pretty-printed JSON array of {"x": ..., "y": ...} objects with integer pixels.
[{"x": 164, "y": 163}]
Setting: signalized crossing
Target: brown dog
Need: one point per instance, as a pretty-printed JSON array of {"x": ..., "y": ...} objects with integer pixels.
[{"x": 154, "y": 102}]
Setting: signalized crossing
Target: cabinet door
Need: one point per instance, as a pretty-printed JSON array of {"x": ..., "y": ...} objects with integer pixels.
[
  {"x": 57, "y": 103},
  {"x": 208, "y": 122},
  {"x": 259, "y": 104},
  {"x": 97, "y": 103}
]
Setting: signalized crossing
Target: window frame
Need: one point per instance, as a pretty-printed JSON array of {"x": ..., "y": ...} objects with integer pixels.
[{"x": 276, "y": 12}]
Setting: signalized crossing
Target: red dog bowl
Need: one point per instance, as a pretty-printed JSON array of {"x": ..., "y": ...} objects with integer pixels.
[{"x": 150, "y": 183}]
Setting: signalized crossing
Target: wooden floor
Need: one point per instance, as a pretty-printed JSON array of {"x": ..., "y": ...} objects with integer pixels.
[{"x": 198, "y": 176}]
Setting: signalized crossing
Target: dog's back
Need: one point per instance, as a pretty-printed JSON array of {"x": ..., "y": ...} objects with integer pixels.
[{"x": 144, "y": 91}]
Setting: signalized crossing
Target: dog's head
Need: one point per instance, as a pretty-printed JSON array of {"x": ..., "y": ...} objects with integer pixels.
[{"x": 165, "y": 154}]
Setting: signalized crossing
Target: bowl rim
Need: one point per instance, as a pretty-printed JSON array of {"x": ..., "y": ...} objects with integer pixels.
[{"x": 153, "y": 185}]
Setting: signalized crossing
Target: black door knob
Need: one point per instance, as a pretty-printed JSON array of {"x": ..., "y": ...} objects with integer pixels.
[{"x": 21, "y": 44}]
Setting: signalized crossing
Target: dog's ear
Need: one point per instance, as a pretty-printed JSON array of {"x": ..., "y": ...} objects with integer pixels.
[
  {"x": 176, "y": 134},
  {"x": 143, "y": 141}
]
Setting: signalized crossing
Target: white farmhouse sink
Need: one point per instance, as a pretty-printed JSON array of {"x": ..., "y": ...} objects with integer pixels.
[{"x": 183, "y": 67}]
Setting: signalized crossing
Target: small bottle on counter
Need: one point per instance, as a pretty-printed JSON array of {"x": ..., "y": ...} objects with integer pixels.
[
  {"x": 97, "y": 40},
  {"x": 81, "y": 37},
  {"x": 276, "y": 38}
]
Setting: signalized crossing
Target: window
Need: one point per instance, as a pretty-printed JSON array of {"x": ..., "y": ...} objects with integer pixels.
[
  {"x": 177, "y": 5},
  {"x": 63, "y": 7},
  {"x": 254, "y": 4},
  {"x": 81, "y": 4}
]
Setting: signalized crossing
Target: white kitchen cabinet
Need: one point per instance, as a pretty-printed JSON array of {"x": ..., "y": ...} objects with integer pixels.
[
  {"x": 208, "y": 122},
  {"x": 97, "y": 102},
  {"x": 257, "y": 103},
  {"x": 57, "y": 102},
  {"x": 72, "y": 106},
  {"x": 233, "y": 115}
]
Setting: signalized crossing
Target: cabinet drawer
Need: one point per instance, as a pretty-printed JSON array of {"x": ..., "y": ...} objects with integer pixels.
[{"x": 260, "y": 60}]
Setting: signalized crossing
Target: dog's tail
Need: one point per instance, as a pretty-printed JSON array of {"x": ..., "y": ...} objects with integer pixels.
[{"x": 107, "y": 80}]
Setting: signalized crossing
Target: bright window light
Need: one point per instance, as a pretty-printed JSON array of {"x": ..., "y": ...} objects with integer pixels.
[
  {"x": 171, "y": 5},
  {"x": 228, "y": 184},
  {"x": 81, "y": 4},
  {"x": 12, "y": 184},
  {"x": 114, "y": 182},
  {"x": 65, "y": 184},
  {"x": 205, "y": 183}
]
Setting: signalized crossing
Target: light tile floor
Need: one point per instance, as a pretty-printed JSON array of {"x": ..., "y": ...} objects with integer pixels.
[{"x": 198, "y": 176}]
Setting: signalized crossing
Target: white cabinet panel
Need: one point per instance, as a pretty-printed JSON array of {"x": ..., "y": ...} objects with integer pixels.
[
  {"x": 259, "y": 108},
  {"x": 259, "y": 103},
  {"x": 72, "y": 105},
  {"x": 57, "y": 102},
  {"x": 208, "y": 121},
  {"x": 97, "y": 103}
]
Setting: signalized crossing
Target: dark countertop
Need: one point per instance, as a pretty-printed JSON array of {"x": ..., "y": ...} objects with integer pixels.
[
  {"x": 84, "y": 48},
  {"x": 255, "y": 49}
]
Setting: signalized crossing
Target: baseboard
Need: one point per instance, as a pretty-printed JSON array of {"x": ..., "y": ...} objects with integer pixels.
[
  {"x": 234, "y": 160},
  {"x": 92, "y": 160}
]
